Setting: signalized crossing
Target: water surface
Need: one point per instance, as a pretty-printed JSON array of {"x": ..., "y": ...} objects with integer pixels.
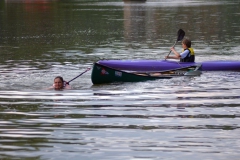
[{"x": 180, "y": 118}]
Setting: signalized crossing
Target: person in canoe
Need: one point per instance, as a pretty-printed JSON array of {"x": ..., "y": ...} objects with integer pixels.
[
  {"x": 60, "y": 84},
  {"x": 187, "y": 55}
]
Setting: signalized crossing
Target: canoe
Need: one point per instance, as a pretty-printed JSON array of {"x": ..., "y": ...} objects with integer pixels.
[
  {"x": 158, "y": 65},
  {"x": 104, "y": 74}
]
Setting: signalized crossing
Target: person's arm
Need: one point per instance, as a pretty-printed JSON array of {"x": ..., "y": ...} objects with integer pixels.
[
  {"x": 50, "y": 88},
  {"x": 184, "y": 53},
  {"x": 67, "y": 86},
  {"x": 176, "y": 56}
]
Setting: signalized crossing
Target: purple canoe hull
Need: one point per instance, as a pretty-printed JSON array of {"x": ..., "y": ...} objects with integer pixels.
[{"x": 157, "y": 65}]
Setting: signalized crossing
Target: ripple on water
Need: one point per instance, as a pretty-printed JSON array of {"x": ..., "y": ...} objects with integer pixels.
[{"x": 195, "y": 116}]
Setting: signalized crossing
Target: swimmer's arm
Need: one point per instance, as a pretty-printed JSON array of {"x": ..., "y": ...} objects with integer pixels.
[{"x": 67, "y": 86}]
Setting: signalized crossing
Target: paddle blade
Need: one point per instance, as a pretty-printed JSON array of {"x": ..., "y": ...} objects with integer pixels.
[{"x": 181, "y": 35}]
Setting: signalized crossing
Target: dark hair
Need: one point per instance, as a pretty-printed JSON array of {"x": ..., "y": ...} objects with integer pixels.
[
  {"x": 63, "y": 82},
  {"x": 187, "y": 42},
  {"x": 59, "y": 77}
]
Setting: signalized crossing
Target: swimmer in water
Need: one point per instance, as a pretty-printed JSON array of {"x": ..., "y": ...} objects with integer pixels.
[{"x": 60, "y": 84}]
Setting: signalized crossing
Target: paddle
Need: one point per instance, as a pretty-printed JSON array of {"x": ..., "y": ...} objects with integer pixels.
[
  {"x": 78, "y": 75},
  {"x": 181, "y": 35}
]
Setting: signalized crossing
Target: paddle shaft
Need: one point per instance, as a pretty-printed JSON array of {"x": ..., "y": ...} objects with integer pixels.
[
  {"x": 78, "y": 75},
  {"x": 181, "y": 35},
  {"x": 171, "y": 50}
]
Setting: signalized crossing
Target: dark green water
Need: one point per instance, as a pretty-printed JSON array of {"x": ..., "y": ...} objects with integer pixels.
[{"x": 180, "y": 118}]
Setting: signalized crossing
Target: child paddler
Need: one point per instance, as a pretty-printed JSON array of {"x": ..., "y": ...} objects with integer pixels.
[{"x": 187, "y": 55}]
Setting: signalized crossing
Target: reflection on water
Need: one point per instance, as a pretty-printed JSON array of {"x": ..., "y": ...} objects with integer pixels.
[{"x": 180, "y": 118}]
